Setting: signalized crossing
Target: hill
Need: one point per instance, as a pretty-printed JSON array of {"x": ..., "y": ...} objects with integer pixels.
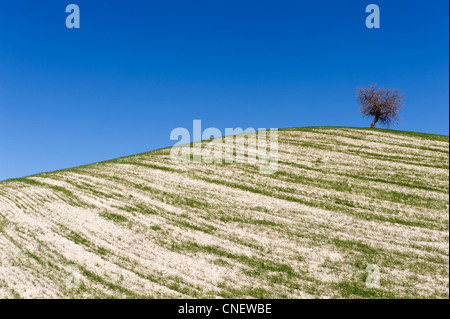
[{"x": 143, "y": 226}]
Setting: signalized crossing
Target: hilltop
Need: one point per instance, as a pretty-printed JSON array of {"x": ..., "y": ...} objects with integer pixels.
[{"x": 145, "y": 227}]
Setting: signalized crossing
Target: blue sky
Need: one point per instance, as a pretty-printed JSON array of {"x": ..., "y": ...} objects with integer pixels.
[{"x": 135, "y": 70}]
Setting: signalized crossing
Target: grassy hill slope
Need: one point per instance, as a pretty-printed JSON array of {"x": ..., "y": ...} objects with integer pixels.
[{"x": 145, "y": 227}]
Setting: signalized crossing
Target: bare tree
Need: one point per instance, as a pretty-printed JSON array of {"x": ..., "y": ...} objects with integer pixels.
[{"x": 383, "y": 104}]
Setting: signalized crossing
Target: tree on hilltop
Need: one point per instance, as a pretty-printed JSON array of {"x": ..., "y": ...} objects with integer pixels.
[{"x": 383, "y": 104}]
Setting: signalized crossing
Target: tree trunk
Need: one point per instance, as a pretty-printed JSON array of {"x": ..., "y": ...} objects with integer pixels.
[{"x": 375, "y": 120}]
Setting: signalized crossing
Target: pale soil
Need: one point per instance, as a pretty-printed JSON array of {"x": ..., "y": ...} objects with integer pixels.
[{"x": 145, "y": 226}]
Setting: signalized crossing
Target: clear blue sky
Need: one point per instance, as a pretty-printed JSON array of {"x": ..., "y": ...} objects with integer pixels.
[{"x": 135, "y": 70}]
